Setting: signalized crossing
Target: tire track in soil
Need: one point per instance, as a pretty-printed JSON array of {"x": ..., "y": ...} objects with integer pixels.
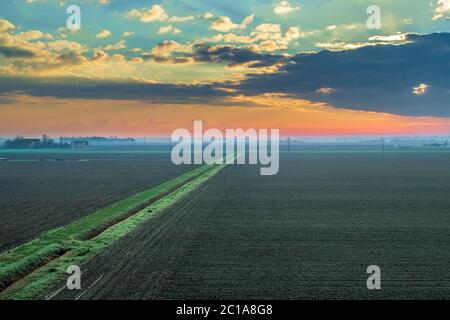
[
  {"x": 101, "y": 273},
  {"x": 309, "y": 232}
]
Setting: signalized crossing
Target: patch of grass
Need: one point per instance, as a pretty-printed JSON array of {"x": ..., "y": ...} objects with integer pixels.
[{"x": 67, "y": 242}]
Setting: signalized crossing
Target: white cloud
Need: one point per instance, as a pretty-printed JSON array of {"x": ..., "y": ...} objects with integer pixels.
[
  {"x": 270, "y": 46},
  {"x": 6, "y": 26},
  {"x": 225, "y": 24},
  {"x": 247, "y": 21},
  {"x": 65, "y": 46},
  {"x": 169, "y": 29},
  {"x": 181, "y": 19},
  {"x": 35, "y": 52},
  {"x": 133, "y": 13},
  {"x": 408, "y": 21},
  {"x": 442, "y": 9},
  {"x": 155, "y": 13},
  {"x": 30, "y": 35},
  {"x": 420, "y": 89},
  {"x": 117, "y": 46},
  {"x": 268, "y": 27},
  {"x": 339, "y": 46},
  {"x": 229, "y": 38},
  {"x": 342, "y": 27},
  {"x": 100, "y": 55},
  {"x": 32, "y": 1},
  {"x": 166, "y": 48},
  {"x": 207, "y": 15},
  {"x": 264, "y": 37},
  {"x": 325, "y": 90},
  {"x": 268, "y": 33},
  {"x": 272, "y": 38},
  {"x": 293, "y": 33},
  {"x": 104, "y": 34},
  {"x": 284, "y": 7},
  {"x": 396, "y": 39},
  {"x": 401, "y": 37},
  {"x": 127, "y": 34}
]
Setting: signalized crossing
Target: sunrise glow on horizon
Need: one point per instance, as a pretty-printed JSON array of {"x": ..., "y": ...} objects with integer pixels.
[{"x": 145, "y": 68}]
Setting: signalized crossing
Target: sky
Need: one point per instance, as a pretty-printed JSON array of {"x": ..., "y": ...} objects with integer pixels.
[{"x": 146, "y": 68}]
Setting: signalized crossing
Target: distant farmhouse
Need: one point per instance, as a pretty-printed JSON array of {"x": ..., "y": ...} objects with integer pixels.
[
  {"x": 20, "y": 142},
  {"x": 45, "y": 142}
]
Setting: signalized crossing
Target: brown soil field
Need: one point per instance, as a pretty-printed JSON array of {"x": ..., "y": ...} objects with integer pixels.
[
  {"x": 38, "y": 193},
  {"x": 310, "y": 232}
]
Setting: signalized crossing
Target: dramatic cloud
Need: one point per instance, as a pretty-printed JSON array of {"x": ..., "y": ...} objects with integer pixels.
[
  {"x": 340, "y": 62},
  {"x": 375, "y": 78},
  {"x": 34, "y": 51},
  {"x": 96, "y": 89},
  {"x": 12, "y": 52},
  {"x": 11, "y": 47},
  {"x": 234, "y": 56}
]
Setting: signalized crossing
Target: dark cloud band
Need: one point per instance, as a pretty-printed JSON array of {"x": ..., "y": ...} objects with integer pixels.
[{"x": 373, "y": 78}]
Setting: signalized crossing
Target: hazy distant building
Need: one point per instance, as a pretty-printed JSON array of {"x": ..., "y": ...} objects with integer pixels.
[
  {"x": 21, "y": 143},
  {"x": 79, "y": 144}
]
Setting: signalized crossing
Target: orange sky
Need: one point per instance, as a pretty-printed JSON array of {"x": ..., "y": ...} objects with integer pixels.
[{"x": 32, "y": 116}]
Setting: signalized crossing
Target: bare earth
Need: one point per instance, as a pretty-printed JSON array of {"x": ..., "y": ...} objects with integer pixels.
[
  {"x": 38, "y": 195},
  {"x": 309, "y": 232}
]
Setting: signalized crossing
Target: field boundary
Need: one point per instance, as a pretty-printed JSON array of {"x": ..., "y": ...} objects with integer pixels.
[{"x": 28, "y": 269}]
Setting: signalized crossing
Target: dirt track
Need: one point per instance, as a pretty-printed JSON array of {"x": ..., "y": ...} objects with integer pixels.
[{"x": 309, "y": 232}]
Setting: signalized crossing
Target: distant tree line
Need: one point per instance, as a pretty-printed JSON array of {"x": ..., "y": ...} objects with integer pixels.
[{"x": 20, "y": 142}]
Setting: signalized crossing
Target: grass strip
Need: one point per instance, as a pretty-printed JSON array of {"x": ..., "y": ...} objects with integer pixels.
[{"x": 17, "y": 263}]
